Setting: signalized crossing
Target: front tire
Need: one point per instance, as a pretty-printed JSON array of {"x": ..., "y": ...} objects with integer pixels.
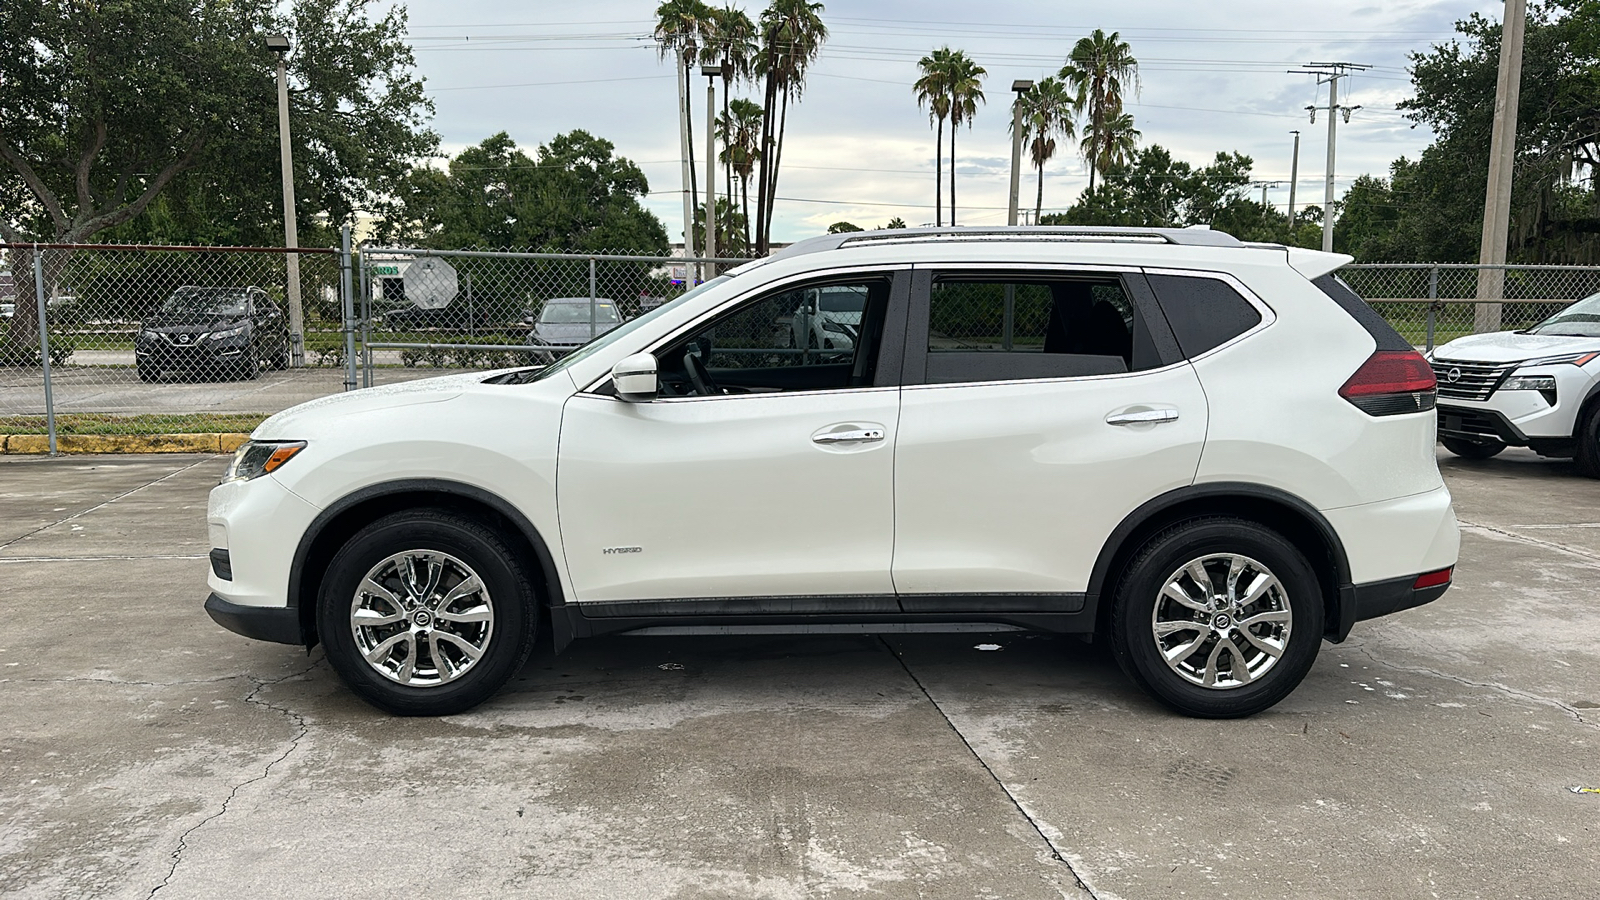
[
  {"x": 1217, "y": 618},
  {"x": 426, "y": 613},
  {"x": 1472, "y": 449},
  {"x": 1587, "y": 454}
]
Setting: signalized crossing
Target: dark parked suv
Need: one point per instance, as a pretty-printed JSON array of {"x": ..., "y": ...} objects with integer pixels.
[{"x": 231, "y": 332}]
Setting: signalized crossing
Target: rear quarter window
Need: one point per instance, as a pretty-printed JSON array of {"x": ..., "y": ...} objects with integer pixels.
[
  {"x": 1351, "y": 302},
  {"x": 1204, "y": 313}
]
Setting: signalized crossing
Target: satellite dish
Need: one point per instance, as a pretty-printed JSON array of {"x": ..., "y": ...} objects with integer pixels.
[{"x": 430, "y": 282}]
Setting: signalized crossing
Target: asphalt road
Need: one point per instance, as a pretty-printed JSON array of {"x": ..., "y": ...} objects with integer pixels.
[{"x": 146, "y": 752}]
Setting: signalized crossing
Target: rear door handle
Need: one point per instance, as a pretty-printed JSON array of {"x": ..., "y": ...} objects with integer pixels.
[
  {"x": 1143, "y": 417},
  {"x": 859, "y": 436}
]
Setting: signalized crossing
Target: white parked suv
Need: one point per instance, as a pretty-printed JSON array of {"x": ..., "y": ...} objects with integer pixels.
[
  {"x": 1212, "y": 455},
  {"x": 1537, "y": 388}
]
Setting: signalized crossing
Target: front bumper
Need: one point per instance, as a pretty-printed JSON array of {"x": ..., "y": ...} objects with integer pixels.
[
  {"x": 278, "y": 624},
  {"x": 1518, "y": 418}
]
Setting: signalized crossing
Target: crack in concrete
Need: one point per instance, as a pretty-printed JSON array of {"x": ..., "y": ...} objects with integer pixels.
[
  {"x": 1516, "y": 693},
  {"x": 91, "y": 509},
  {"x": 1055, "y": 852},
  {"x": 80, "y": 679},
  {"x": 301, "y": 730},
  {"x": 1522, "y": 538}
]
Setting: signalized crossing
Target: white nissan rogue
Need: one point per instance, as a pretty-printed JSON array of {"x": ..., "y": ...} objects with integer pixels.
[
  {"x": 1212, "y": 455},
  {"x": 1536, "y": 388}
]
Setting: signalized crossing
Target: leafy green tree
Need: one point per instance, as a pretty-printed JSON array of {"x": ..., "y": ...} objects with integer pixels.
[
  {"x": 895, "y": 222},
  {"x": 844, "y": 228},
  {"x": 1100, "y": 68},
  {"x": 933, "y": 91},
  {"x": 791, "y": 36},
  {"x": 575, "y": 196},
  {"x": 966, "y": 92},
  {"x": 739, "y": 131},
  {"x": 1153, "y": 189},
  {"x": 157, "y": 119},
  {"x": 1048, "y": 110}
]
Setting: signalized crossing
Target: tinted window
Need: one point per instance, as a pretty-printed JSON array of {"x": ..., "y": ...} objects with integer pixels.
[
  {"x": 999, "y": 329},
  {"x": 813, "y": 337},
  {"x": 1204, "y": 312},
  {"x": 1349, "y": 301}
]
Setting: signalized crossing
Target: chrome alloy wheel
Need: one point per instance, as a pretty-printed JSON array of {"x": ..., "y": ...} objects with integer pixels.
[
  {"x": 421, "y": 618},
  {"x": 1222, "y": 621}
]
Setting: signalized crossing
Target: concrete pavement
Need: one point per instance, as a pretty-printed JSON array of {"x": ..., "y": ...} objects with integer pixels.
[{"x": 146, "y": 752}]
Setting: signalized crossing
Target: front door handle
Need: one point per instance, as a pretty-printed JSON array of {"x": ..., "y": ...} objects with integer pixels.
[
  {"x": 1143, "y": 417},
  {"x": 859, "y": 436}
]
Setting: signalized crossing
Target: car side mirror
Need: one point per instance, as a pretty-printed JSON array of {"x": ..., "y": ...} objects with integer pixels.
[{"x": 635, "y": 378}]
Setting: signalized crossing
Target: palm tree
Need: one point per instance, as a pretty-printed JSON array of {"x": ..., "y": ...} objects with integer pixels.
[
  {"x": 1047, "y": 110},
  {"x": 1099, "y": 68},
  {"x": 730, "y": 41},
  {"x": 1117, "y": 143},
  {"x": 791, "y": 37},
  {"x": 679, "y": 24},
  {"x": 933, "y": 91},
  {"x": 740, "y": 134},
  {"x": 966, "y": 92}
]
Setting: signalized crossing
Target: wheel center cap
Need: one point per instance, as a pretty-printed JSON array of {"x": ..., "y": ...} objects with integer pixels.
[
  {"x": 421, "y": 618},
  {"x": 1220, "y": 621}
]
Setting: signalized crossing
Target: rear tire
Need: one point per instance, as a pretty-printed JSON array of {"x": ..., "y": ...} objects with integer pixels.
[
  {"x": 1587, "y": 455},
  {"x": 1472, "y": 449},
  {"x": 1211, "y": 654},
  {"x": 417, "y": 652}
]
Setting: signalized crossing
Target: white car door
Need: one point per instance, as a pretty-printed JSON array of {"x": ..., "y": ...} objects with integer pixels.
[
  {"x": 760, "y": 480},
  {"x": 1040, "y": 408}
]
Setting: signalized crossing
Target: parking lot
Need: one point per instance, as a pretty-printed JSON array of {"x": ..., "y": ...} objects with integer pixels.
[{"x": 146, "y": 751}]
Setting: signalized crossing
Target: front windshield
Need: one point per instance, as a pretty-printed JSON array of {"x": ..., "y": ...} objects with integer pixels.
[
  {"x": 1581, "y": 319},
  {"x": 616, "y": 334},
  {"x": 576, "y": 313},
  {"x": 205, "y": 302}
]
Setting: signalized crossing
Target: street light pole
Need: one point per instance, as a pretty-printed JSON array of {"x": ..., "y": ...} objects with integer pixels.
[
  {"x": 688, "y": 202},
  {"x": 712, "y": 73},
  {"x": 1502, "y": 155},
  {"x": 279, "y": 44},
  {"x": 1021, "y": 87},
  {"x": 1294, "y": 178}
]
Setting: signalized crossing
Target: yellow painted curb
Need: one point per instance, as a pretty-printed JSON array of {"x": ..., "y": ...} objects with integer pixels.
[{"x": 124, "y": 443}]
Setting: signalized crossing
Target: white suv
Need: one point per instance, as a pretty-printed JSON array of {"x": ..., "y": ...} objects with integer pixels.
[
  {"x": 1538, "y": 388},
  {"x": 1212, "y": 455}
]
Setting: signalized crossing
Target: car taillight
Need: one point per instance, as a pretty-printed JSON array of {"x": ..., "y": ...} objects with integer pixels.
[{"x": 1391, "y": 383}]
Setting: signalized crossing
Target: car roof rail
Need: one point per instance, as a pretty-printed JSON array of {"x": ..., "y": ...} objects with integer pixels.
[{"x": 1187, "y": 237}]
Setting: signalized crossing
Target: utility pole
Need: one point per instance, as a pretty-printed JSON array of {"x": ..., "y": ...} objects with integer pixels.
[
  {"x": 688, "y": 202},
  {"x": 1021, "y": 87},
  {"x": 1502, "y": 154},
  {"x": 279, "y": 44},
  {"x": 712, "y": 73},
  {"x": 1329, "y": 73},
  {"x": 1294, "y": 178}
]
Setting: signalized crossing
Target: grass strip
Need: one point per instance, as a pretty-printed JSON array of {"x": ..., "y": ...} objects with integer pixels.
[{"x": 106, "y": 424}]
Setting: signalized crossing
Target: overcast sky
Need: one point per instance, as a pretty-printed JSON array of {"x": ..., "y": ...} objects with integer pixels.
[{"x": 858, "y": 147}]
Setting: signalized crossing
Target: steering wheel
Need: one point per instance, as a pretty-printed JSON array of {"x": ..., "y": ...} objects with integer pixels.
[{"x": 699, "y": 374}]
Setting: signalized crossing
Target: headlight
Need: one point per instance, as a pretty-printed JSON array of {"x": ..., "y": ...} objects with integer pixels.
[
  {"x": 1544, "y": 384},
  {"x": 257, "y": 458},
  {"x": 1576, "y": 359},
  {"x": 1529, "y": 383},
  {"x": 226, "y": 333}
]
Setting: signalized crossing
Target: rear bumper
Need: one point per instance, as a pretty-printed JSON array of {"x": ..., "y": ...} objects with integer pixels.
[
  {"x": 278, "y": 624},
  {"x": 1380, "y": 598}
]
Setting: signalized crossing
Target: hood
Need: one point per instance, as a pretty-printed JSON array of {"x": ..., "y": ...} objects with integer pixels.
[
  {"x": 576, "y": 333},
  {"x": 194, "y": 323},
  {"x": 317, "y": 416},
  {"x": 1509, "y": 346}
]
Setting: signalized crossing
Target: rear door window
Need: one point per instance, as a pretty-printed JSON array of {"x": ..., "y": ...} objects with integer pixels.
[{"x": 1004, "y": 328}]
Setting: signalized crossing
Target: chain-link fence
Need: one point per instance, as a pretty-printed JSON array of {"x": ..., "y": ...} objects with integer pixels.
[
  {"x": 182, "y": 340},
  {"x": 468, "y": 309},
  {"x": 1433, "y": 304}
]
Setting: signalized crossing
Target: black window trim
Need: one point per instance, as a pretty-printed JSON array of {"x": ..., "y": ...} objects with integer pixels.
[
  {"x": 1134, "y": 287},
  {"x": 891, "y": 346}
]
